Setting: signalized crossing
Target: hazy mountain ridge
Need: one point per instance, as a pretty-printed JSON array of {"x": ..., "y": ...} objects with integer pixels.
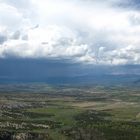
[{"x": 61, "y": 72}]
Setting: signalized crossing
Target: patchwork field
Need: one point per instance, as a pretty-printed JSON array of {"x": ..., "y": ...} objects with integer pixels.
[{"x": 44, "y": 112}]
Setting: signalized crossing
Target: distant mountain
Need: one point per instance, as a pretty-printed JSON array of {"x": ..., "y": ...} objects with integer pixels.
[
  {"x": 66, "y": 72},
  {"x": 137, "y": 81}
]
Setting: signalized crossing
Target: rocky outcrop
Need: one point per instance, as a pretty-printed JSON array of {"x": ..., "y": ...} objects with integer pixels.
[{"x": 23, "y": 136}]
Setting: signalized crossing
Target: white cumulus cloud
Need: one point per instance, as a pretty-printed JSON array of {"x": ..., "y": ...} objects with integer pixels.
[{"x": 96, "y": 32}]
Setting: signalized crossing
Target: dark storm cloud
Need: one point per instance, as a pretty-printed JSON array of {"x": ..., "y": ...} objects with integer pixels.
[{"x": 65, "y": 72}]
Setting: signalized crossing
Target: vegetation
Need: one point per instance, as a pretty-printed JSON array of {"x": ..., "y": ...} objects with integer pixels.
[{"x": 69, "y": 113}]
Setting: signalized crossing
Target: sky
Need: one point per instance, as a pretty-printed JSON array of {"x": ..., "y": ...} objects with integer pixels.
[
  {"x": 44, "y": 39},
  {"x": 81, "y": 31}
]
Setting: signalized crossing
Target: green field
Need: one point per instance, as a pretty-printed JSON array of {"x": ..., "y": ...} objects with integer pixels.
[{"x": 70, "y": 113}]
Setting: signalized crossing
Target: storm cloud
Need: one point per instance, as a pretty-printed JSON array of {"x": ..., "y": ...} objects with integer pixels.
[{"x": 93, "y": 31}]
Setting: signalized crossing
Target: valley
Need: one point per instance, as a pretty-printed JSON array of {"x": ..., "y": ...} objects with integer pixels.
[{"x": 45, "y": 112}]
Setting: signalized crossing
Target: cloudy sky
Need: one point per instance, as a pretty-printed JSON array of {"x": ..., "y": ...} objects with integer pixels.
[{"x": 104, "y": 32}]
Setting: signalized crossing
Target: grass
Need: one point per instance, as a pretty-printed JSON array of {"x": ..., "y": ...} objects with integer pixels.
[
  {"x": 55, "y": 135},
  {"x": 57, "y": 108},
  {"x": 126, "y": 113},
  {"x": 60, "y": 114}
]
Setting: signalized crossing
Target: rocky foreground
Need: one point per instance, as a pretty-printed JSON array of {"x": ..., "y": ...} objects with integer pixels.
[{"x": 23, "y": 136}]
